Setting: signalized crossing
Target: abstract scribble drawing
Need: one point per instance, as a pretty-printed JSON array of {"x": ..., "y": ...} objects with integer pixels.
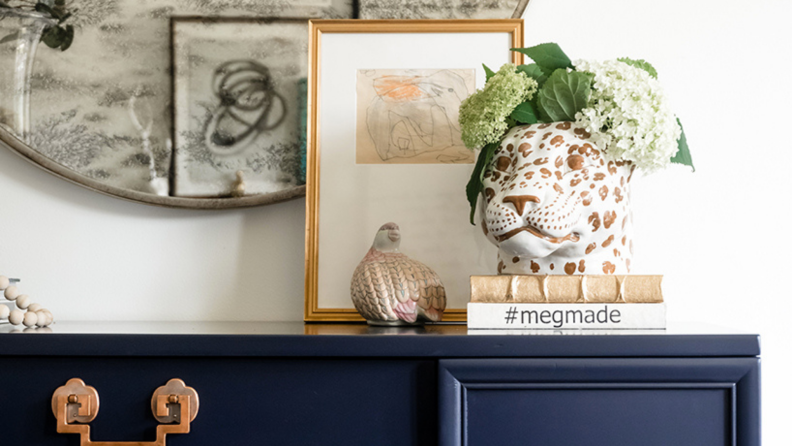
[
  {"x": 413, "y": 115},
  {"x": 248, "y": 106}
]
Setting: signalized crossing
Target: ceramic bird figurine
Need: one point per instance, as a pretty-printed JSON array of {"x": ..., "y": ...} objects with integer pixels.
[{"x": 389, "y": 288}]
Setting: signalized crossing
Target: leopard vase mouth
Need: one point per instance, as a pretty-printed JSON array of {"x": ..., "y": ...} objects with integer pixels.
[{"x": 554, "y": 204}]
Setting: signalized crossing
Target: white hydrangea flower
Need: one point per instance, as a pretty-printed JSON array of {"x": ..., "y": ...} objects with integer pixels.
[{"x": 628, "y": 115}]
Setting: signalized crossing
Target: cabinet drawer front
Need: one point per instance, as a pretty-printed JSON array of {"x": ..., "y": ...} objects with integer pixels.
[
  {"x": 593, "y": 402},
  {"x": 244, "y": 401}
]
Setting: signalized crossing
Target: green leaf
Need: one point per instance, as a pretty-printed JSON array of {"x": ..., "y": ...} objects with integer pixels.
[
  {"x": 525, "y": 114},
  {"x": 68, "y": 38},
  {"x": 640, "y": 63},
  {"x": 53, "y": 37},
  {"x": 535, "y": 71},
  {"x": 44, "y": 9},
  {"x": 547, "y": 55},
  {"x": 475, "y": 185},
  {"x": 683, "y": 154},
  {"x": 10, "y": 38},
  {"x": 543, "y": 116},
  {"x": 488, "y": 72},
  {"x": 563, "y": 95}
]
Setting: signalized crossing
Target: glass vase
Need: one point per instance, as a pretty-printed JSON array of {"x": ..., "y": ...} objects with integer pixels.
[{"x": 20, "y": 33}]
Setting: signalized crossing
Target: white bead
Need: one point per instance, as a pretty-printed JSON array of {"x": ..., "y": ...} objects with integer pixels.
[
  {"x": 4, "y": 312},
  {"x": 16, "y": 317},
  {"x": 48, "y": 319},
  {"x": 30, "y": 319},
  {"x": 11, "y": 292},
  {"x": 42, "y": 321},
  {"x": 23, "y": 301},
  {"x": 34, "y": 307},
  {"x": 4, "y": 282}
]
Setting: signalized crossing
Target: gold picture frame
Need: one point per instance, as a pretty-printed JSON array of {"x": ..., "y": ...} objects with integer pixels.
[{"x": 513, "y": 28}]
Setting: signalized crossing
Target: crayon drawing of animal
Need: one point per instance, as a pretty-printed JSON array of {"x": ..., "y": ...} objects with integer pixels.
[{"x": 411, "y": 115}]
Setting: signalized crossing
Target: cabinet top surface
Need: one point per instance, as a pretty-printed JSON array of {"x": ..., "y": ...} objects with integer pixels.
[{"x": 296, "y": 339}]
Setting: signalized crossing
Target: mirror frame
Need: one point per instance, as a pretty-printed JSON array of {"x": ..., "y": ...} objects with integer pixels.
[{"x": 17, "y": 146}]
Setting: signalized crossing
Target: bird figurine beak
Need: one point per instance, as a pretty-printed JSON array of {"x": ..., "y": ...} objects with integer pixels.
[{"x": 394, "y": 235}]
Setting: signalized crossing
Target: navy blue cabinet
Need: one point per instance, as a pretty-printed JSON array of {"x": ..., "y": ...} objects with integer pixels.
[
  {"x": 292, "y": 384},
  {"x": 600, "y": 401}
]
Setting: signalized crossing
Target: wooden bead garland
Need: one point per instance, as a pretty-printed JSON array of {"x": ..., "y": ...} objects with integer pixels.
[{"x": 36, "y": 315}]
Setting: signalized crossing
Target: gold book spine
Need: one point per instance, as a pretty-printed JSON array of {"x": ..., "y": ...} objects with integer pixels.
[{"x": 566, "y": 289}]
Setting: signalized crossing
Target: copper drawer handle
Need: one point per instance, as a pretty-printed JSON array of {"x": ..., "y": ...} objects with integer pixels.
[{"x": 76, "y": 404}]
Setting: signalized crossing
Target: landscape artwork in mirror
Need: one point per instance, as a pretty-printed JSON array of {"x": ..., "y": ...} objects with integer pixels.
[
  {"x": 442, "y": 9},
  {"x": 101, "y": 113}
]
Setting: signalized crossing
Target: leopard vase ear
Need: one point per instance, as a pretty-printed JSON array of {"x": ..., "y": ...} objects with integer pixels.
[{"x": 554, "y": 204}]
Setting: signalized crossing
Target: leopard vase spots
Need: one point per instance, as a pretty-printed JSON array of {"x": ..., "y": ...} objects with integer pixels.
[{"x": 553, "y": 204}]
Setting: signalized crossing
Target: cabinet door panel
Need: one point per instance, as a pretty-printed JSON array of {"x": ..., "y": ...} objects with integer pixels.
[
  {"x": 244, "y": 401},
  {"x": 592, "y": 402}
]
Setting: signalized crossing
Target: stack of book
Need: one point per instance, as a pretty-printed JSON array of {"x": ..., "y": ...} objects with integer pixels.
[{"x": 566, "y": 302}]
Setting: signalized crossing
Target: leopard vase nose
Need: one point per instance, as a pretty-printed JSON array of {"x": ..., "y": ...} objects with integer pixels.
[{"x": 519, "y": 202}]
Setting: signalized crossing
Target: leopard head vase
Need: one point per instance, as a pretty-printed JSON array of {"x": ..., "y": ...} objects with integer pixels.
[{"x": 553, "y": 204}]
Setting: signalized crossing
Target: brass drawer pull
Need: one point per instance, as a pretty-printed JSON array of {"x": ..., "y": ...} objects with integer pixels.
[{"x": 76, "y": 404}]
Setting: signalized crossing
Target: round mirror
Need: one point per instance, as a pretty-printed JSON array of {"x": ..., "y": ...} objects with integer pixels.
[{"x": 182, "y": 103}]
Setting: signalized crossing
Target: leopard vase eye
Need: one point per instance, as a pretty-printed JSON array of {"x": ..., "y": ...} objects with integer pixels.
[{"x": 555, "y": 204}]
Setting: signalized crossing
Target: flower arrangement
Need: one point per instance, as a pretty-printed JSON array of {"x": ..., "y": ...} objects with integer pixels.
[
  {"x": 485, "y": 113},
  {"x": 56, "y": 36},
  {"x": 620, "y": 102}
]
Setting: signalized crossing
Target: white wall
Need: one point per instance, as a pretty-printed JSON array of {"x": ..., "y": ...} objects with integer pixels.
[
  {"x": 718, "y": 235},
  {"x": 87, "y": 256}
]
